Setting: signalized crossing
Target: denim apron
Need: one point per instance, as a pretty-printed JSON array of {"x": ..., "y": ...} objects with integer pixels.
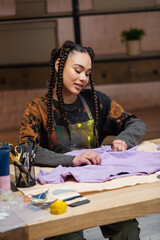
[{"x": 81, "y": 134}]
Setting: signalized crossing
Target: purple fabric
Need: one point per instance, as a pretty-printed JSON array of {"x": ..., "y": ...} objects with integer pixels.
[
  {"x": 113, "y": 165},
  {"x": 158, "y": 148}
]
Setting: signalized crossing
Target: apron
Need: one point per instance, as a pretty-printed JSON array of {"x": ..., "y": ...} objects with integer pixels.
[{"x": 82, "y": 134}]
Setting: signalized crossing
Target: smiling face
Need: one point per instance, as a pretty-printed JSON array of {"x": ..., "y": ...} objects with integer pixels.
[{"x": 75, "y": 75}]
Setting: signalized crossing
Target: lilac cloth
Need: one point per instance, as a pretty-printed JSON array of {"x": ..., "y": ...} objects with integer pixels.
[
  {"x": 158, "y": 148},
  {"x": 113, "y": 165}
]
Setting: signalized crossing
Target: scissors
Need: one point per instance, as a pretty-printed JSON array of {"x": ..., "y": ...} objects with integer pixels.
[
  {"x": 15, "y": 156},
  {"x": 15, "y": 153}
]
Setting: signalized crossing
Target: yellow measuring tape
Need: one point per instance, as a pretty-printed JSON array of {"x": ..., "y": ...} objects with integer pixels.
[{"x": 58, "y": 207}]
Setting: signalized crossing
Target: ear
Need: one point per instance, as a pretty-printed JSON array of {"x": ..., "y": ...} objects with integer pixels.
[{"x": 57, "y": 64}]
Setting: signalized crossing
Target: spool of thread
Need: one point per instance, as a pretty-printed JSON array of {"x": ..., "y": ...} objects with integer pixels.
[{"x": 4, "y": 167}]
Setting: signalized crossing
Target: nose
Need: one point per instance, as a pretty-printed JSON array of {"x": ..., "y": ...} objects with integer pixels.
[{"x": 83, "y": 77}]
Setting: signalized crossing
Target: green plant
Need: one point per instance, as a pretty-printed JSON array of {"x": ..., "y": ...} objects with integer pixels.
[{"x": 132, "y": 34}]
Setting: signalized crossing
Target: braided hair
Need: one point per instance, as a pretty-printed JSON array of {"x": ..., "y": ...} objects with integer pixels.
[{"x": 57, "y": 78}]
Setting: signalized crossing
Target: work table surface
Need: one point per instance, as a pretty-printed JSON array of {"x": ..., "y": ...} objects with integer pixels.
[{"x": 105, "y": 207}]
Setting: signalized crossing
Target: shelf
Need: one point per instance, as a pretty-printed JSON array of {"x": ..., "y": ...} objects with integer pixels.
[
  {"x": 124, "y": 57},
  {"x": 118, "y": 11},
  {"x": 25, "y": 65},
  {"x": 98, "y": 59},
  {"x": 79, "y": 13},
  {"x": 48, "y": 17}
]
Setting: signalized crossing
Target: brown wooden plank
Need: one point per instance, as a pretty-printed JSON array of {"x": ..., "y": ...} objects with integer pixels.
[{"x": 106, "y": 207}]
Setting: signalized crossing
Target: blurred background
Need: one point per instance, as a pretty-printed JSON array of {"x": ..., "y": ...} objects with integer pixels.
[{"x": 30, "y": 29}]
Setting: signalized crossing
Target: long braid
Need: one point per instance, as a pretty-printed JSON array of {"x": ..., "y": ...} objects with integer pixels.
[
  {"x": 63, "y": 57},
  {"x": 94, "y": 95},
  {"x": 51, "y": 85},
  {"x": 95, "y": 104}
]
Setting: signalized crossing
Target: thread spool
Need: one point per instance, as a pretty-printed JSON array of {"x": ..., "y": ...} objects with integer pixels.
[{"x": 4, "y": 167}]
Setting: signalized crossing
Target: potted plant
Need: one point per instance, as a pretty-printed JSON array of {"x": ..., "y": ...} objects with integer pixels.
[{"x": 132, "y": 38}]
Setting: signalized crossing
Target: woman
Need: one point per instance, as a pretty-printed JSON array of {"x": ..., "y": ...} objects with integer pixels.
[{"x": 71, "y": 117}]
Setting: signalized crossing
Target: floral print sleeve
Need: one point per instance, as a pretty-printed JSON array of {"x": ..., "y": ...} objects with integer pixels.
[
  {"x": 118, "y": 115},
  {"x": 34, "y": 120}
]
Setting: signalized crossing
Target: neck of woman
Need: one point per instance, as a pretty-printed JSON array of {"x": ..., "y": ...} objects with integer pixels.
[{"x": 68, "y": 99}]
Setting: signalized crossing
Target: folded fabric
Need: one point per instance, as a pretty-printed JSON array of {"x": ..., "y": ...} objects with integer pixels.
[{"x": 113, "y": 165}]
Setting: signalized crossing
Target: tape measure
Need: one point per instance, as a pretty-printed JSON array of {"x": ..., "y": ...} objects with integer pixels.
[{"x": 58, "y": 207}]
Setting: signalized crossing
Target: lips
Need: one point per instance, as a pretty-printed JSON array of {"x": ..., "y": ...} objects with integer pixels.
[{"x": 78, "y": 86}]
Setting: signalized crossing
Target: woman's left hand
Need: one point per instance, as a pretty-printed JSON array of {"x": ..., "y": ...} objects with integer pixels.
[
  {"x": 87, "y": 158},
  {"x": 119, "y": 145}
]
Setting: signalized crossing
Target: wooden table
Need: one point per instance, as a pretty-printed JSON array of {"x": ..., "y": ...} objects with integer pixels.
[{"x": 105, "y": 207}]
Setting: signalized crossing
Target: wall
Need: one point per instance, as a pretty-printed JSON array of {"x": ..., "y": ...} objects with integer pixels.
[
  {"x": 108, "y": 28},
  {"x": 102, "y": 33},
  {"x": 12, "y": 105}
]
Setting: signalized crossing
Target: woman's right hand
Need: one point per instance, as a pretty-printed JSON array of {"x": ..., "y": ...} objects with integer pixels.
[{"x": 87, "y": 158}]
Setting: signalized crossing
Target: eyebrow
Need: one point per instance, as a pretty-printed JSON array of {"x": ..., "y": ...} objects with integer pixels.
[{"x": 81, "y": 66}]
